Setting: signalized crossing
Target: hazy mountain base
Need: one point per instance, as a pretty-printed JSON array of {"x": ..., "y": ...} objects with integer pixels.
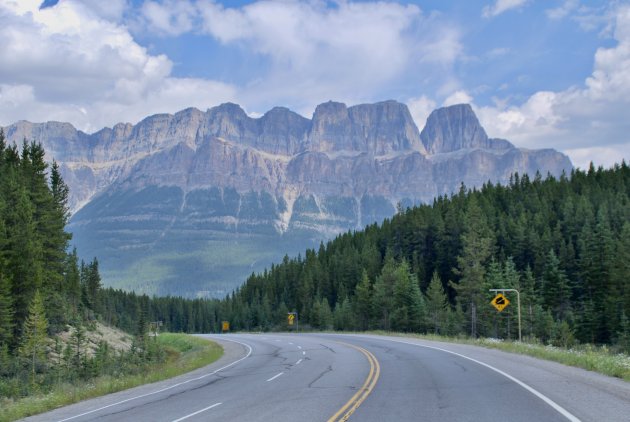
[{"x": 204, "y": 243}]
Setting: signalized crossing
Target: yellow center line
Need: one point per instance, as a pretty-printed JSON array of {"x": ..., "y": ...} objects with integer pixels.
[{"x": 365, "y": 390}]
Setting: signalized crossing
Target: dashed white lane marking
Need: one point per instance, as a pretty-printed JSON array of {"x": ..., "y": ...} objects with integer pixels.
[
  {"x": 290, "y": 343},
  {"x": 169, "y": 387},
  {"x": 298, "y": 362},
  {"x": 275, "y": 376},
  {"x": 299, "y": 347},
  {"x": 197, "y": 412},
  {"x": 303, "y": 352}
]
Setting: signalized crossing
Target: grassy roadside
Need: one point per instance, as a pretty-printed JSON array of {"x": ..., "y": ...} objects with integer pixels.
[
  {"x": 184, "y": 353},
  {"x": 593, "y": 358}
]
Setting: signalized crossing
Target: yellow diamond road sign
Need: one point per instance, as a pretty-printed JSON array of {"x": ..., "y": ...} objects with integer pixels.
[
  {"x": 500, "y": 302},
  {"x": 291, "y": 318}
]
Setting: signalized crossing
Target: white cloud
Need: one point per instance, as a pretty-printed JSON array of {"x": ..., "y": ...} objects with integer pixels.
[
  {"x": 563, "y": 10},
  {"x": 599, "y": 156},
  {"x": 170, "y": 17},
  {"x": 420, "y": 108},
  {"x": 589, "y": 119},
  {"x": 69, "y": 63},
  {"x": 316, "y": 52},
  {"x": 501, "y": 6},
  {"x": 457, "y": 97}
]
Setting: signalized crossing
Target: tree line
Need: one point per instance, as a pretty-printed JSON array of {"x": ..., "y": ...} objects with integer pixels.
[
  {"x": 44, "y": 289},
  {"x": 563, "y": 243}
]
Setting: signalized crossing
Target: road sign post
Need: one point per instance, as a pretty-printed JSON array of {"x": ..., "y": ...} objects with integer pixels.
[
  {"x": 292, "y": 317},
  {"x": 500, "y": 302}
]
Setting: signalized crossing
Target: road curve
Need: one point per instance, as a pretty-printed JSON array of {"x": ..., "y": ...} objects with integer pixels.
[{"x": 332, "y": 377}]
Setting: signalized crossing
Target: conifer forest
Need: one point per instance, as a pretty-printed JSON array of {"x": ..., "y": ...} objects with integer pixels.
[{"x": 564, "y": 244}]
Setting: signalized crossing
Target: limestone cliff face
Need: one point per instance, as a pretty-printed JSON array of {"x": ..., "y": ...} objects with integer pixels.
[
  {"x": 455, "y": 128},
  {"x": 175, "y": 189}
]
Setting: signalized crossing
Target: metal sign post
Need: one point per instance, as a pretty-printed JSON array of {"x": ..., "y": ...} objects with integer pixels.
[
  {"x": 501, "y": 302},
  {"x": 293, "y": 317}
]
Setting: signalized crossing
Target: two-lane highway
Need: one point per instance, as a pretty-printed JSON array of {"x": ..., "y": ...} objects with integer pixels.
[{"x": 311, "y": 377}]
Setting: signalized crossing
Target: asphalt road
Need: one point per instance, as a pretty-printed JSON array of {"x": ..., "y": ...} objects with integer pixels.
[{"x": 319, "y": 377}]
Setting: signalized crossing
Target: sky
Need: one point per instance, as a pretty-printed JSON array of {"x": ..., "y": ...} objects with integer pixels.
[{"x": 540, "y": 73}]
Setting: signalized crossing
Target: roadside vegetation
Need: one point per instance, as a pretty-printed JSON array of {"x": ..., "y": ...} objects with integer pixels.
[
  {"x": 167, "y": 356},
  {"x": 600, "y": 359}
]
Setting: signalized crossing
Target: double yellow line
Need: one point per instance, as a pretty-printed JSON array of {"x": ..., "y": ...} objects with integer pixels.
[{"x": 365, "y": 390}]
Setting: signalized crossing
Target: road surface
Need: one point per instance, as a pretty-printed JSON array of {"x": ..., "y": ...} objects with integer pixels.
[{"x": 332, "y": 377}]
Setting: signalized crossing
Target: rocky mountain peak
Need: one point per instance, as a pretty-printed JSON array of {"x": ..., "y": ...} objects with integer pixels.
[
  {"x": 376, "y": 129},
  {"x": 453, "y": 128}
]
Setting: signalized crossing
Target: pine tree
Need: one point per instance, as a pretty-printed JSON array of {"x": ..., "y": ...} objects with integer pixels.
[
  {"x": 477, "y": 245},
  {"x": 409, "y": 307},
  {"x": 437, "y": 304},
  {"x": 34, "y": 340},
  {"x": 556, "y": 291},
  {"x": 383, "y": 303},
  {"x": 364, "y": 301},
  {"x": 6, "y": 312}
]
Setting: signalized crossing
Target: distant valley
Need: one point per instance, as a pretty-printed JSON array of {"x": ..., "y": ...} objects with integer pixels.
[{"x": 190, "y": 204}]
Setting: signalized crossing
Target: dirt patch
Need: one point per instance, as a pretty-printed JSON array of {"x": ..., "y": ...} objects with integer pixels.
[{"x": 97, "y": 332}]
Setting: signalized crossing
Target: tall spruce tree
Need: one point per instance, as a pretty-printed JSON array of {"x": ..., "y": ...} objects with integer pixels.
[
  {"x": 477, "y": 247},
  {"x": 35, "y": 337},
  {"x": 437, "y": 304}
]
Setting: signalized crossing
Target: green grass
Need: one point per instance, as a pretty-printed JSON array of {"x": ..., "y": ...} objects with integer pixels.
[
  {"x": 184, "y": 354},
  {"x": 593, "y": 358}
]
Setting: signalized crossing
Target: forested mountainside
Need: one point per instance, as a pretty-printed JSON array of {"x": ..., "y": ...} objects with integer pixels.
[{"x": 563, "y": 243}]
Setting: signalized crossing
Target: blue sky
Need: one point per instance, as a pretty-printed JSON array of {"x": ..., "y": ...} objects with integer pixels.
[{"x": 541, "y": 73}]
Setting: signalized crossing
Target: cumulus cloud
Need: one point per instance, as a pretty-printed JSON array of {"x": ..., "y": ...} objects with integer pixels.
[
  {"x": 316, "y": 52},
  {"x": 70, "y": 63},
  {"x": 501, "y": 6},
  {"x": 457, "y": 97},
  {"x": 420, "y": 108},
  {"x": 170, "y": 17},
  {"x": 575, "y": 119},
  {"x": 563, "y": 10}
]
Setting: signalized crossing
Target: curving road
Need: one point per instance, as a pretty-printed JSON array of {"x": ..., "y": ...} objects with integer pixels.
[{"x": 320, "y": 377}]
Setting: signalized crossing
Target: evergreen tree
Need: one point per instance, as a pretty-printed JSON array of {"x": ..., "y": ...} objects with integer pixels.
[
  {"x": 364, "y": 301},
  {"x": 6, "y": 312},
  {"x": 35, "y": 339},
  {"x": 437, "y": 304},
  {"x": 477, "y": 245},
  {"x": 409, "y": 307}
]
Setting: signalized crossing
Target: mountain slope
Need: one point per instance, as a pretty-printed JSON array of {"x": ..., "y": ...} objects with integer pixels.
[{"x": 191, "y": 203}]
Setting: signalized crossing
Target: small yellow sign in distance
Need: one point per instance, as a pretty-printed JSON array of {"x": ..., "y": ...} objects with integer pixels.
[
  {"x": 225, "y": 326},
  {"x": 500, "y": 302},
  {"x": 291, "y": 317}
]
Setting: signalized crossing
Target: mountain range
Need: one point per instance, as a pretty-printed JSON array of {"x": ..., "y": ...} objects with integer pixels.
[{"x": 191, "y": 203}]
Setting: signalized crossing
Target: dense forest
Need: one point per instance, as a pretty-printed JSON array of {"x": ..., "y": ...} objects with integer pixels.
[
  {"x": 44, "y": 290},
  {"x": 564, "y": 244}
]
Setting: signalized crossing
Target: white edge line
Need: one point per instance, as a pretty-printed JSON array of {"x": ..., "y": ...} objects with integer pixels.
[
  {"x": 166, "y": 388},
  {"x": 275, "y": 376},
  {"x": 535, "y": 392},
  {"x": 197, "y": 412}
]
